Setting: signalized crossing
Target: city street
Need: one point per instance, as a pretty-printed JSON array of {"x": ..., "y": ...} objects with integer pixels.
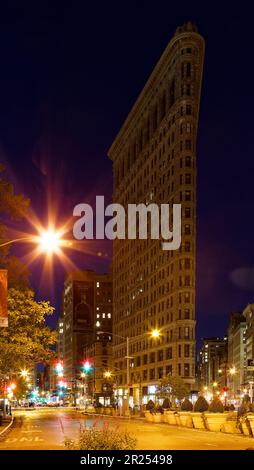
[{"x": 47, "y": 428}]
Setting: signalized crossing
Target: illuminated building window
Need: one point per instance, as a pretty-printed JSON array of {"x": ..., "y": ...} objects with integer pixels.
[{"x": 97, "y": 284}]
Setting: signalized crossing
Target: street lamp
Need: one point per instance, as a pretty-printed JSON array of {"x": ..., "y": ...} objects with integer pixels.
[
  {"x": 48, "y": 241},
  {"x": 24, "y": 373},
  {"x": 107, "y": 374},
  {"x": 155, "y": 333},
  {"x": 232, "y": 370}
]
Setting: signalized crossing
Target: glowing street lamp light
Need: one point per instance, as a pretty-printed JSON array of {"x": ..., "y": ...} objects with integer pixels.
[
  {"x": 232, "y": 370},
  {"x": 24, "y": 373},
  {"x": 49, "y": 241},
  {"x": 107, "y": 374},
  {"x": 215, "y": 384},
  {"x": 155, "y": 333}
]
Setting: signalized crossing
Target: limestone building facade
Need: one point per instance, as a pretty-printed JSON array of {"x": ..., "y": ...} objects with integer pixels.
[{"x": 154, "y": 161}]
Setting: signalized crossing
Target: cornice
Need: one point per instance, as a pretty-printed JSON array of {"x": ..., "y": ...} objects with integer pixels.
[{"x": 149, "y": 88}]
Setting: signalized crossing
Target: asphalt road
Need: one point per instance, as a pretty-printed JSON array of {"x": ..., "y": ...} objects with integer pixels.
[{"x": 47, "y": 429}]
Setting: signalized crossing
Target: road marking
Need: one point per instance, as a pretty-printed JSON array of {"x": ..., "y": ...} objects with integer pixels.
[
  {"x": 32, "y": 431},
  {"x": 24, "y": 439}
]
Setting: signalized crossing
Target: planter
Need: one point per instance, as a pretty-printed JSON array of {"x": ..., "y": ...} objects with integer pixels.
[
  {"x": 245, "y": 426},
  {"x": 231, "y": 425},
  {"x": 250, "y": 418},
  {"x": 171, "y": 417},
  {"x": 198, "y": 420},
  {"x": 214, "y": 421},
  {"x": 165, "y": 416},
  {"x": 178, "y": 422},
  {"x": 148, "y": 416},
  {"x": 157, "y": 418},
  {"x": 185, "y": 419},
  {"x": 90, "y": 409}
]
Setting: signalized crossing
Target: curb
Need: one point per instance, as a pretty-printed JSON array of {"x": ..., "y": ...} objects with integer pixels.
[
  {"x": 110, "y": 416},
  {"x": 7, "y": 429}
]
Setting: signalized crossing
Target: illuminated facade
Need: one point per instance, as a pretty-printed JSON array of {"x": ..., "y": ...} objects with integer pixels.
[
  {"x": 87, "y": 309},
  {"x": 154, "y": 161}
]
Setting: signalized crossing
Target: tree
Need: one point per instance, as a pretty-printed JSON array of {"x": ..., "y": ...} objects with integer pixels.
[
  {"x": 173, "y": 387},
  {"x": 12, "y": 206},
  {"x": 27, "y": 340}
]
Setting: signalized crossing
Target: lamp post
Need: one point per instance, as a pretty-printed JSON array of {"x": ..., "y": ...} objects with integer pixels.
[{"x": 155, "y": 333}]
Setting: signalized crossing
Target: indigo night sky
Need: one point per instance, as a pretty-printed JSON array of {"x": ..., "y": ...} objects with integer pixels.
[{"x": 68, "y": 78}]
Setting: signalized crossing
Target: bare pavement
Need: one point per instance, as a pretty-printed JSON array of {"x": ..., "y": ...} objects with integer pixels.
[{"x": 46, "y": 429}]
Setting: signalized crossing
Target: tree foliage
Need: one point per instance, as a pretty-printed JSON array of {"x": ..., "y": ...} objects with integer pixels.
[
  {"x": 12, "y": 207},
  {"x": 173, "y": 387},
  {"x": 27, "y": 340}
]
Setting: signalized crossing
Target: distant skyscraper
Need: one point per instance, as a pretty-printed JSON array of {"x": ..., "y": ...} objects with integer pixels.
[
  {"x": 154, "y": 161},
  {"x": 237, "y": 351},
  {"x": 212, "y": 362},
  {"x": 87, "y": 309}
]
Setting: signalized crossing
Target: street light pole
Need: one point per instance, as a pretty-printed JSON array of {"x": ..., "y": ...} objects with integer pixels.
[
  {"x": 128, "y": 375},
  {"x": 16, "y": 240}
]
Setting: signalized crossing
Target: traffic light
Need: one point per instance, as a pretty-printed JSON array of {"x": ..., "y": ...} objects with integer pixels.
[
  {"x": 87, "y": 366},
  {"x": 59, "y": 367}
]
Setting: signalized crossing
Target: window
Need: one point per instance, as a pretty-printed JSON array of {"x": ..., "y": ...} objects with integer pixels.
[
  {"x": 187, "y": 212},
  {"x": 187, "y": 332},
  {"x": 160, "y": 355},
  {"x": 188, "y": 69},
  {"x": 188, "y": 162},
  {"x": 186, "y": 314},
  {"x": 169, "y": 353},
  {"x": 187, "y": 263},
  {"x": 186, "y": 350},
  {"x": 186, "y": 370},
  {"x": 179, "y": 369},
  {"x": 160, "y": 372},
  {"x": 152, "y": 357},
  {"x": 187, "y": 196},
  {"x": 188, "y": 178},
  {"x": 145, "y": 359},
  {"x": 179, "y": 350},
  {"x": 188, "y": 109},
  {"x": 109, "y": 315},
  {"x": 188, "y": 144},
  {"x": 152, "y": 374},
  {"x": 172, "y": 93},
  {"x": 169, "y": 370},
  {"x": 97, "y": 284}
]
